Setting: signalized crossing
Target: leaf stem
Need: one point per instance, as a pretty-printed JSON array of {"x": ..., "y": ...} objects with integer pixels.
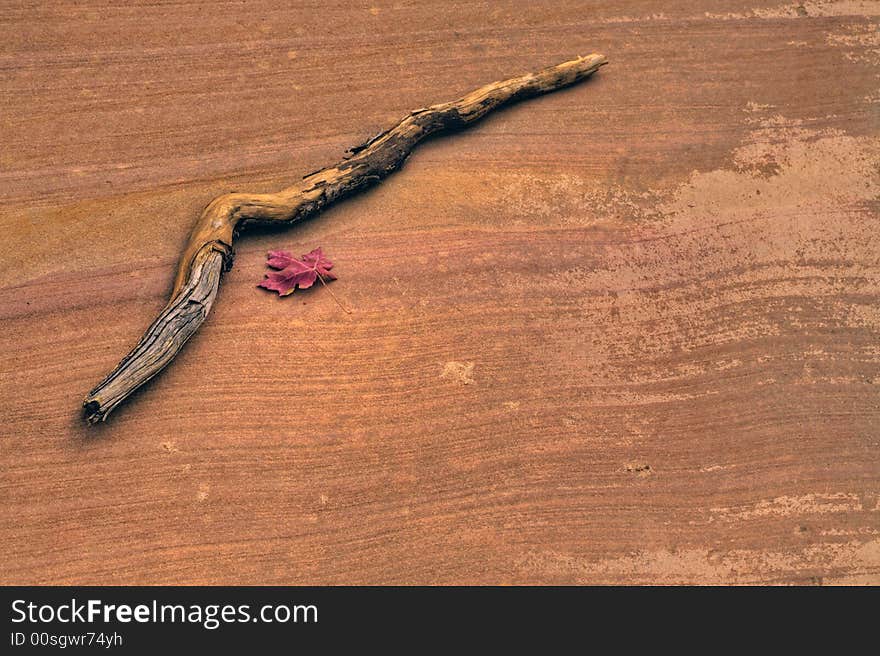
[{"x": 327, "y": 287}]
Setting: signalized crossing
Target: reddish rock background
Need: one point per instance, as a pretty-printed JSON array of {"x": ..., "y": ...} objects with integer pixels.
[{"x": 624, "y": 333}]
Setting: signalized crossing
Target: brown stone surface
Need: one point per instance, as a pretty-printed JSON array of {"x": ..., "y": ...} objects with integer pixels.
[{"x": 625, "y": 333}]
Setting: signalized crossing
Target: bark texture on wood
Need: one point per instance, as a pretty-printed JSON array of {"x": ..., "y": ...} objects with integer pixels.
[{"x": 209, "y": 248}]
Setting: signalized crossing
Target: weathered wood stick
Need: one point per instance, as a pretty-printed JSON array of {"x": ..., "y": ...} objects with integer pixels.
[{"x": 209, "y": 249}]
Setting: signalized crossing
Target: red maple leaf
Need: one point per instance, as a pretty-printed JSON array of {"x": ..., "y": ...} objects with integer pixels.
[{"x": 295, "y": 273}]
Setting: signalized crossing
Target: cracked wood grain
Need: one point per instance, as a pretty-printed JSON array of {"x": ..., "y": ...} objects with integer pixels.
[{"x": 209, "y": 249}]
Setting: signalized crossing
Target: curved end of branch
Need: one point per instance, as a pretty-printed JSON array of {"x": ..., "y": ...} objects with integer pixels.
[{"x": 179, "y": 320}]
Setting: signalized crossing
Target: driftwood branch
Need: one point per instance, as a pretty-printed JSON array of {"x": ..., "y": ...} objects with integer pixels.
[{"x": 209, "y": 249}]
